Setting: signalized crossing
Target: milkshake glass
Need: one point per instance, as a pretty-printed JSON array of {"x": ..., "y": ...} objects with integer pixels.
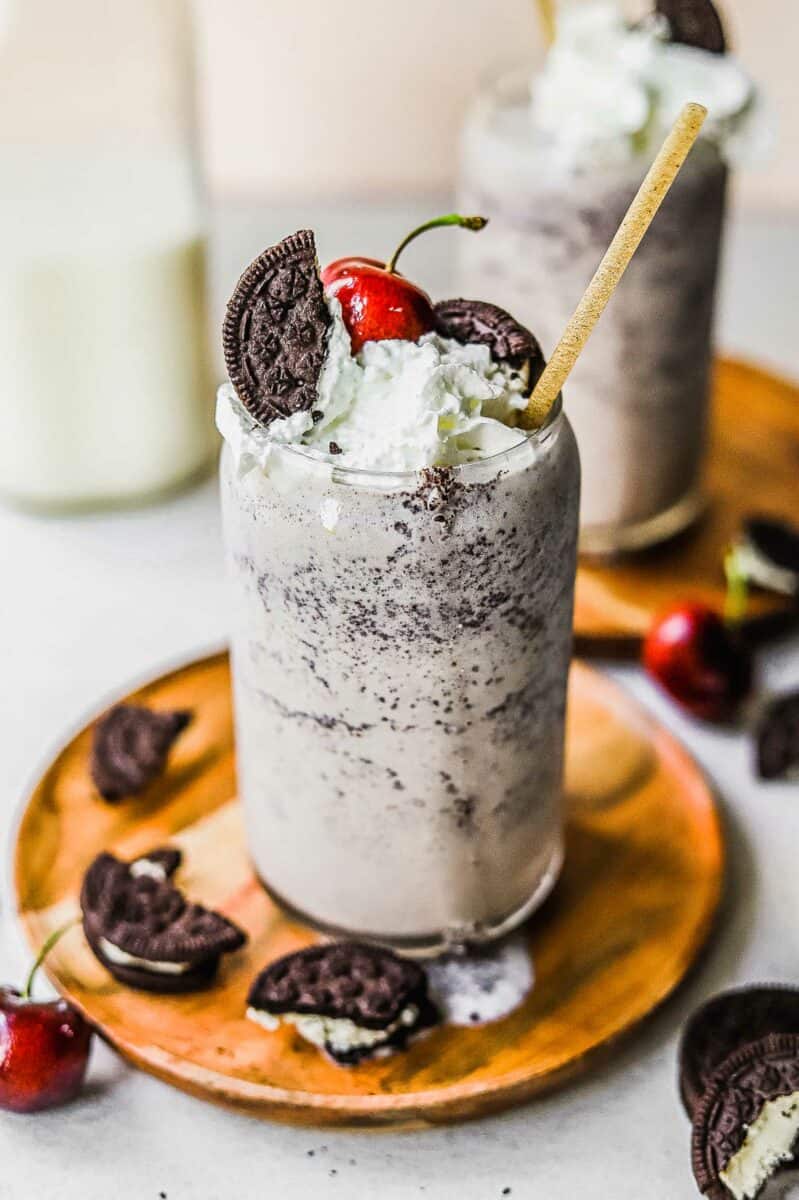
[
  {"x": 401, "y": 645},
  {"x": 639, "y": 396}
]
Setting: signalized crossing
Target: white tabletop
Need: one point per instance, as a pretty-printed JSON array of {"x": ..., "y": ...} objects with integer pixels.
[{"x": 92, "y": 603}]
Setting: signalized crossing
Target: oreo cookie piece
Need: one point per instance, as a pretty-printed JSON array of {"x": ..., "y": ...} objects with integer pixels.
[
  {"x": 145, "y": 932},
  {"x": 274, "y": 334},
  {"x": 768, "y": 554},
  {"x": 694, "y": 23},
  {"x": 130, "y": 748},
  {"x": 468, "y": 321},
  {"x": 777, "y": 738},
  {"x": 723, "y": 1024},
  {"x": 747, "y": 1122},
  {"x": 354, "y": 1001}
]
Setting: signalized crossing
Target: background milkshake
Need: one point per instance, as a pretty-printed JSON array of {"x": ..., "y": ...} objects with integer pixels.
[
  {"x": 555, "y": 166},
  {"x": 401, "y": 642}
]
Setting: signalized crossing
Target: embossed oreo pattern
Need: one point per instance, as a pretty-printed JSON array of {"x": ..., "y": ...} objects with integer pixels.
[
  {"x": 469, "y": 321},
  {"x": 274, "y": 335},
  {"x": 747, "y": 1080},
  {"x": 151, "y": 919},
  {"x": 346, "y": 980},
  {"x": 130, "y": 748},
  {"x": 725, "y": 1023}
]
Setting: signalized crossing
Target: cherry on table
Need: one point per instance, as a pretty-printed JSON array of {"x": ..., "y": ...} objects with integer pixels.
[{"x": 44, "y": 1045}]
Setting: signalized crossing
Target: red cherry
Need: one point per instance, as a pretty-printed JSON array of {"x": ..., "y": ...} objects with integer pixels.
[
  {"x": 379, "y": 304},
  {"x": 699, "y": 660},
  {"x": 44, "y": 1047}
]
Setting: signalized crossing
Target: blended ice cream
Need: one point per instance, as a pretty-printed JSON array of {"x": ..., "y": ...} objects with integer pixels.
[
  {"x": 403, "y": 564},
  {"x": 555, "y": 163}
]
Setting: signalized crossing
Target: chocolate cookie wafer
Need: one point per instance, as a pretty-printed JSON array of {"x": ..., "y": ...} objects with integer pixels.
[
  {"x": 725, "y": 1023},
  {"x": 777, "y": 738},
  {"x": 694, "y": 23},
  {"x": 747, "y": 1123},
  {"x": 145, "y": 932},
  {"x": 470, "y": 321},
  {"x": 274, "y": 333},
  {"x": 354, "y": 1001},
  {"x": 130, "y": 748}
]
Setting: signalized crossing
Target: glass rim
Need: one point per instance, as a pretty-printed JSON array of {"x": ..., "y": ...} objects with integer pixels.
[{"x": 375, "y": 475}]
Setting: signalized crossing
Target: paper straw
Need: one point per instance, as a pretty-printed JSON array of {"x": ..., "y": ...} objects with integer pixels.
[{"x": 661, "y": 176}]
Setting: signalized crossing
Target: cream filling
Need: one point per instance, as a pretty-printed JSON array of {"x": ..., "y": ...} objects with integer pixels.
[
  {"x": 336, "y": 1033},
  {"x": 769, "y": 1142},
  {"x": 757, "y": 568},
  {"x": 121, "y": 958},
  {"x": 146, "y": 866}
]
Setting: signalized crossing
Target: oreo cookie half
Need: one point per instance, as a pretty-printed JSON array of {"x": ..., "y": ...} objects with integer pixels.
[
  {"x": 355, "y": 1001},
  {"x": 725, "y": 1023},
  {"x": 768, "y": 554},
  {"x": 145, "y": 932},
  {"x": 130, "y": 748},
  {"x": 777, "y": 738},
  {"x": 747, "y": 1122},
  {"x": 274, "y": 334},
  {"x": 694, "y": 23},
  {"x": 467, "y": 321}
]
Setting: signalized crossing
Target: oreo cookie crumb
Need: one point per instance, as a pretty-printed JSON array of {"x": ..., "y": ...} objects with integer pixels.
[
  {"x": 130, "y": 746},
  {"x": 334, "y": 448},
  {"x": 694, "y": 23},
  {"x": 274, "y": 334}
]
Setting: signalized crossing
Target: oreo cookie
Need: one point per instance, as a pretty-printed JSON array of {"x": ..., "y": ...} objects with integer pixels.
[
  {"x": 694, "y": 23},
  {"x": 145, "y": 932},
  {"x": 130, "y": 747},
  {"x": 274, "y": 334},
  {"x": 777, "y": 738},
  {"x": 469, "y": 321},
  {"x": 768, "y": 554},
  {"x": 747, "y": 1122},
  {"x": 352, "y": 1000},
  {"x": 725, "y": 1023}
]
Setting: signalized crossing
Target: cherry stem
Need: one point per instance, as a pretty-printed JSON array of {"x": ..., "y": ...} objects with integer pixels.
[
  {"x": 48, "y": 945},
  {"x": 737, "y": 597},
  {"x": 473, "y": 223}
]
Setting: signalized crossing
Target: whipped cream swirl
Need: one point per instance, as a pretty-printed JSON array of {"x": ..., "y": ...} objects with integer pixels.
[
  {"x": 609, "y": 91},
  {"x": 395, "y": 406}
]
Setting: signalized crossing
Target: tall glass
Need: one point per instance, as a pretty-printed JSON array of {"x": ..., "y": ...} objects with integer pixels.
[
  {"x": 639, "y": 396},
  {"x": 103, "y": 335},
  {"x": 401, "y": 645}
]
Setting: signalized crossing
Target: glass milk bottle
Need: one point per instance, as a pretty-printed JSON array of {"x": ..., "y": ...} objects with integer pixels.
[{"x": 103, "y": 341}]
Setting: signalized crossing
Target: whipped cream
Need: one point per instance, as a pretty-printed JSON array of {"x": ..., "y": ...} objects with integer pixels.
[
  {"x": 395, "y": 406},
  {"x": 609, "y": 91}
]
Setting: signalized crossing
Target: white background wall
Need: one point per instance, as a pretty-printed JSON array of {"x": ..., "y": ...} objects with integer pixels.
[{"x": 323, "y": 97}]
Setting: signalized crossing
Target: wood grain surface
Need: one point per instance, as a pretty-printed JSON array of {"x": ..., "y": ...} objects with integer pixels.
[
  {"x": 753, "y": 466},
  {"x": 628, "y": 917}
]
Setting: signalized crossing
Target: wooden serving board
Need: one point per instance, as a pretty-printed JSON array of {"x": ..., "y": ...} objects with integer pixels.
[
  {"x": 753, "y": 466},
  {"x": 629, "y": 916}
]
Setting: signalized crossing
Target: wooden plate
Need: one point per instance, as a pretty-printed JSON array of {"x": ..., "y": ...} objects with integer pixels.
[
  {"x": 632, "y": 910},
  {"x": 754, "y": 466}
]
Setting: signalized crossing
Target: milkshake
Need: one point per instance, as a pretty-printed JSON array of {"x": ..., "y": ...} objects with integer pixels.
[
  {"x": 402, "y": 561},
  {"x": 555, "y": 164}
]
